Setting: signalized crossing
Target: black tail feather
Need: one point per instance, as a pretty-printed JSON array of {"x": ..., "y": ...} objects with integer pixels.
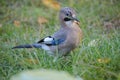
[{"x": 28, "y": 46}]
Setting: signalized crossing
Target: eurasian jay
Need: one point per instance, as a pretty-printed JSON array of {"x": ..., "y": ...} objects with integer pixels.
[{"x": 65, "y": 39}]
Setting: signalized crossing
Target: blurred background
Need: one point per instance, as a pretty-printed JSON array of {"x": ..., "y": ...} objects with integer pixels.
[{"x": 27, "y": 21}]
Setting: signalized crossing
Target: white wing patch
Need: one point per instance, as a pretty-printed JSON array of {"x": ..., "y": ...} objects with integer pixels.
[{"x": 48, "y": 40}]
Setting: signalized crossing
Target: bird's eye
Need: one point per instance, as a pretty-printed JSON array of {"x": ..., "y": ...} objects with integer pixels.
[{"x": 67, "y": 14}]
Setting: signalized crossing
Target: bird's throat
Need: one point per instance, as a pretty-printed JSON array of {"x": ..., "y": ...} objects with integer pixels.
[{"x": 69, "y": 23}]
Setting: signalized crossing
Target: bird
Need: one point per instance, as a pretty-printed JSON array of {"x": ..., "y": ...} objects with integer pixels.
[{"x": 63, "y": 41}]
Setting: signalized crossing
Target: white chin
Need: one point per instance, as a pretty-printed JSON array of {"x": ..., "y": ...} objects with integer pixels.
[{"x": 69, "y": 23}]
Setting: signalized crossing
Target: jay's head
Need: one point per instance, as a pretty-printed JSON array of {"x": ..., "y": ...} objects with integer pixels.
[{"x": 68, "y": 16}]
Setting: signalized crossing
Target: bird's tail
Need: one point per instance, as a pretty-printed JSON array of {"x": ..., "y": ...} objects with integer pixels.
[{"x": 28, "y": 46}]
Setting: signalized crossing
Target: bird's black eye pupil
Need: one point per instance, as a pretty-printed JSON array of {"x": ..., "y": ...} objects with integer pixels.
[
  {"x": 67, "y": 14},
  {"x": 67, "y": 19}
]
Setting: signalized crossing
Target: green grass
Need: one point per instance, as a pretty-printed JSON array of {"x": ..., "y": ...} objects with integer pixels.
[{"x": 83, "y": 62}]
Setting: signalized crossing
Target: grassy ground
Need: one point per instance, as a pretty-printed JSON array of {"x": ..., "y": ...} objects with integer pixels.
[{"x": 98, "y": 60}]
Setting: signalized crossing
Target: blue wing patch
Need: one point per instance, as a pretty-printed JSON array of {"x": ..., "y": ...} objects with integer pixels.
[{"x": 57, "y": 42}]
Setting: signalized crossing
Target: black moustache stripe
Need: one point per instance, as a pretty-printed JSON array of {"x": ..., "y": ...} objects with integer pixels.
[{"x": 67, "y": 19}]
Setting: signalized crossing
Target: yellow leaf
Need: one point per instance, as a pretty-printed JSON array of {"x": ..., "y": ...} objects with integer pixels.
[
  {"x": 31, "y": 61},
  {"x": 52, "y": 4},
  {"x": 104, "y": 60},
  {"x": 16, "y": 23},
  {"x": 42, "y": 20}
]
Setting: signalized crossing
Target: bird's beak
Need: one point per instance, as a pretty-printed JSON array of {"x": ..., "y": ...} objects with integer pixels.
[{"x": 75, "y": 19}]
